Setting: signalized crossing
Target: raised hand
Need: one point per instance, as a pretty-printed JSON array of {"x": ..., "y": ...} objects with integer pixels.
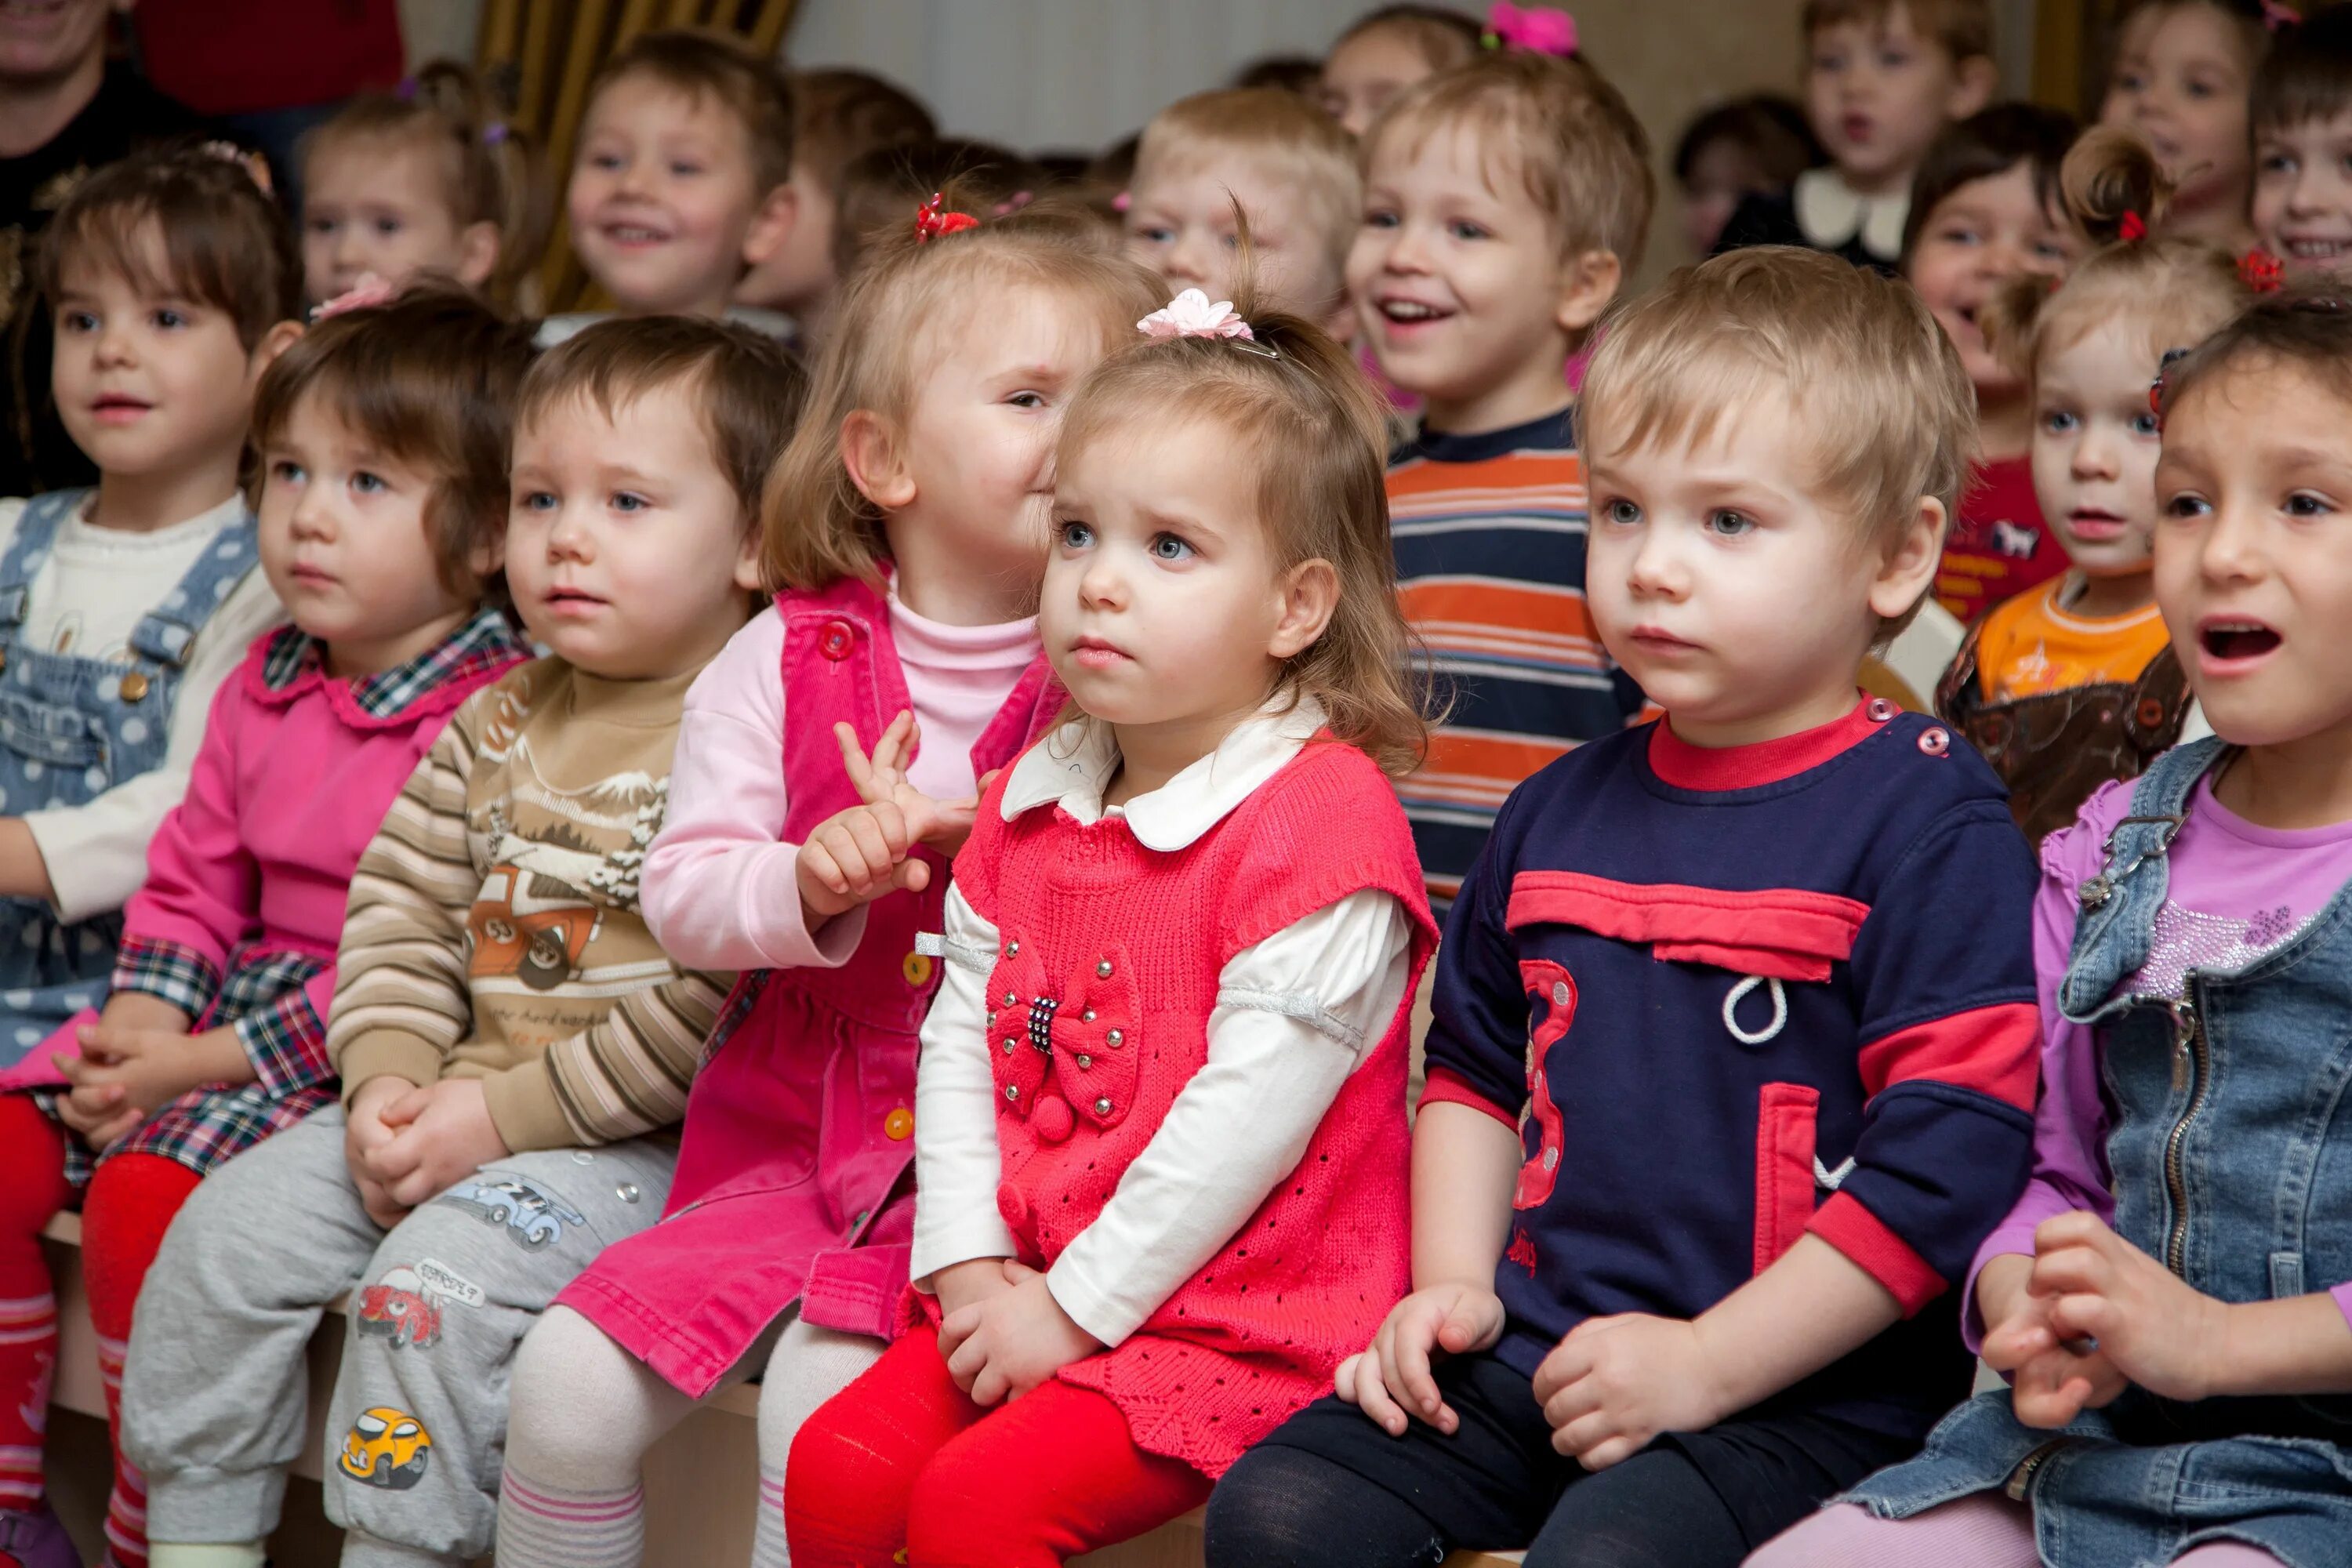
[{"x": 858, "y": 855}]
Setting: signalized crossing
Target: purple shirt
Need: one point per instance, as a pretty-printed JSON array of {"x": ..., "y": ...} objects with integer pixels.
[{"x": 2234, "y": 891}]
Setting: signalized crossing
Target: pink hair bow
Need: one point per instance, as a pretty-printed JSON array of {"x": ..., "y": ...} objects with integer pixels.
[
  {"x": 2275, "y": 16},
  {"x": 368, "y": 291},
  {"x": 1193, "y": 315},
  {"x": 1533, "y": 29}
]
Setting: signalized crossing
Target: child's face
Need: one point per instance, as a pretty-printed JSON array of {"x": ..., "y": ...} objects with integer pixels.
[
  {"x": 1721, "y": 174},
  {"x": 2095, "y": 447},
  {"x": 2302, "y": 196},
  {"x": 797, "y": 276},
  {"x": 1364, "y": 73},
  {"x": 1877, "y": 96},
  {"x": 2182, "y": 83},
  {"x": 1459, "y": 285},
  {"x": 1978, "y": 238},
  {"x": 380, "y": 205},
  {"x": 148, "y": 382},
  {"x": 665, "y": 203},
  {"x": 2253, "y": 552},
  {"x": 347, "y": 545},
  {"x": 1696, "y": 556},
  {"x": 628, "y": 553},
  {"x": 1180, "y": 224}
]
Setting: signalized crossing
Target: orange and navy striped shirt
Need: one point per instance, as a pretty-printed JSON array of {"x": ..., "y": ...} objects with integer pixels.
[{"x": 1489, "y": 532}]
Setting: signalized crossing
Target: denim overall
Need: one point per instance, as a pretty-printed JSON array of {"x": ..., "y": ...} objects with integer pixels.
[
  {"x": 2229, "y": 1152},
  {"x": 72, "y": 728}
]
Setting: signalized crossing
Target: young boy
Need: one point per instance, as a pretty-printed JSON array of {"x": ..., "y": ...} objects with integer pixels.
[
  {"x": 1882, "y": 79},
  {"x": 2301, "y": 114},
  {"x": 1722, "y": 1097},
  {"x": 1293, "y": 170},
  {"x": 511, "y": 1041},
  {"x": 682, "y": 179},
  {"x": 839, "y": 116},
  {"x": 1505, "y": 201}
]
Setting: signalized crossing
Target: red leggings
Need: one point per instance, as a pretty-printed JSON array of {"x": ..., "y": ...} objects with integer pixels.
[
  {"x": 902, "y": 1459},
  {"x": 129, "y": 1204}
]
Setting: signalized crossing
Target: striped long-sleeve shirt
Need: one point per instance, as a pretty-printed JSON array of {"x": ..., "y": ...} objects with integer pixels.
[
  {"x": 1489, "y": 531},
  {"x": 493, "y": 930}
]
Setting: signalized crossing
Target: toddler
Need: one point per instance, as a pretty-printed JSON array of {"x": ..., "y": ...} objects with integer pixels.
[
  {"x": 681, "y": 181},
  {"x": 1986, "y": 210},
  {"x": 1505, "y": 201},
  {"x": 1387, "y": 51},
  {"x": 2169, "y": 1297},
  {"x": 1882, "y": 77},
  {"x": 2182, "y": 79},
  {"x": 2072, "y": 684},
  {"x": 838, "y": 117},
  {"x": 382, "y": 491},
  {"x": 434, "y": 179},
  {"x": 1150, "y": 1228},
  {"x": 1754, "y": 146},
  {"x": 1285, "y": 165},
  {"x": 1720, "y": 1093},
  {"x": 2302, "y": 113},
  {"x": 510, "y": 1038},
  {"x": 904, "y": 540}
]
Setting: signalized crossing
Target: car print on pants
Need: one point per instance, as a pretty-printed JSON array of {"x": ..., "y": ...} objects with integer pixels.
[
  {"x": 400, "y": 1308},
  {"x": 387, "y": 1449},
  {"x": 532, "y": 1215}
]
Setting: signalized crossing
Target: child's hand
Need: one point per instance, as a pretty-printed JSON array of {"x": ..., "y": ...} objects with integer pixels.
[
  {"x": 127, "y": 1072},
  {"x": 364, "y": 1133},
  {"x": 1615, "y": 1382},
  {"x": 1392, "y": 1375},
  {"x": 2051, "y": 1380},
  {"x": 441, "y": 1134},
  {"x": 858, "y": 855},
  {"x": 967, "y": 1284},
  {"x": 2148, "y": 1324},
  {"x": 1014, "y": 1340}
]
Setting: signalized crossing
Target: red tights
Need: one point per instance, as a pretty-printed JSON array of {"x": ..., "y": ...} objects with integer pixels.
[
  {"x": 902, "y": 1459},
  {"x": 129, "y": 1203}
]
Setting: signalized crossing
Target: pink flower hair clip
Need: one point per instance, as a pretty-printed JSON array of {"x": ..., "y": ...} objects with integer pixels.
[
  {"x": 255, "y": 167},
  {"x": 1192, "y": 315},
  {"x": 1531, "y": 29},
  {"x": 369, "y": 291}
]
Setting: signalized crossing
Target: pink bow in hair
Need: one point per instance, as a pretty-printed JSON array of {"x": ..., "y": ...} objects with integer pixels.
[
  {"x": 1192, "y": 315},
  {"x": 368, "y": 291},
  {"x": 2275, "y": 16},
  {"x": 1532, "y": 30}
]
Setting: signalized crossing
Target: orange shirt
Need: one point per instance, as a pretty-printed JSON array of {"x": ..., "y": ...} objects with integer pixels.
[{"x": 2030, "y": 644}]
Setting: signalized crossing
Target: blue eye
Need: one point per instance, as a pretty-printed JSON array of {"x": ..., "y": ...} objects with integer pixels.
[
  {"x": 629, "y": 501},
  {"x": 605, "y": 161},
  {"x": 368, "y": 484},
  {"x": 77, "y": 321},
  {"x": 2186, "y": 505},
  {"x": 286, "y": 472},
  {"x": 1623, "y": 513},
  {"x": 2146, "y": 424},
  {"x": 1155, "y": 234},
  {"x": 169, "y": 320},
  {"x": 536, "y": 500},
  {"x": 2058, "y": 421},
  {"x": 388, "y": 225},
  {"x": 1076, "y": 535},
  {"x": 1380, "y": 217},
  {"x": 1463, "y": 228},
  {"x": 1169, "y": 547},
  {"x": 1729, "y": 525},
  {"x": 685, "y": 170}
]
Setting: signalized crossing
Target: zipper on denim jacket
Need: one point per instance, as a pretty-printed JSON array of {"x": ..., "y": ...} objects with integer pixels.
[
  {"x": 2190, "y": 1065},
  {"x": 2021, "y": 1479}
]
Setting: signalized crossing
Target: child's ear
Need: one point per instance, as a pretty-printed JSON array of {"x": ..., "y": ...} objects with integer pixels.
[
  {"x": 274, "y": 341},
  {"x": 870, "y": 452},
  {"x": 747, "y": 559},
  {"x": 477, "y": 253},
  {"x": 1310, "y": 595},
  {"x": 1974, "y": 82},
  {"x": 486, "y": 558},
  {"x": 771, "y": 225},
  {"x": 1587, "y": 284},
  {"x": 1909, "y": 569}
]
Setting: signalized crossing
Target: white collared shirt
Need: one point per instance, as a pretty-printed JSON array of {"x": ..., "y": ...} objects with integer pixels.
[
  {"x": 1295, "y": 1015},
  {"x": 1829, "y": 212}
]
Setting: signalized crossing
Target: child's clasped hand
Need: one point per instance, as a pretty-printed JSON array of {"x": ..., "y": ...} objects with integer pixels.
[{"x": 1005, "y": 1336}]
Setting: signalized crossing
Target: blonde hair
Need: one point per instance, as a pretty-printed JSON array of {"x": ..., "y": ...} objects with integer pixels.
[
  {"x": 1871, "y": 383},
  {"x": 1279, "y": 132},
  {"x": 1294, "y": 401},
  {"x": 818, "y": 527},
  {"x": 1557, "y": 125},
  {"x": 1443, "y": 36}
]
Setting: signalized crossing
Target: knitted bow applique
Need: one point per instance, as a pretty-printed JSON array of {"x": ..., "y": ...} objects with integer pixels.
[
  {"x": 1535, "y": 29},
  {"x": 1056, "y": 1046},
  {"x": 1192, "y": 315}
]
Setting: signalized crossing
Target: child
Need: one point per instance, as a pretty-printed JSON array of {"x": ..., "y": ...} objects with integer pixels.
[
  {"x": 1289, "y": 168},
  {"x": 2301, "y": 114},
  {"x": 1882, "y": 77},
  {"x": 1550, "y": 171},
  {"x": 1773, "y": 1089},
  {"x": 1985, "y": 211},
  {"x": 2181, "y": 80},
  {"x": 382, "y": 494},
  {"x": 903, "y": 535},
  {"x": 1160, "y": 1218},
  {"x": 1386, "y": 51},
  {"x": 434, "y": 179},
  {"x": 838, "y": 116},
  {"x": 498, "y": 1001},
  {"x": 2169, "y": 1298},
  {"x": 1754, "y": 146},
  {"x": 681, "y": 180},
  {"x": 2070, "y": 685}
]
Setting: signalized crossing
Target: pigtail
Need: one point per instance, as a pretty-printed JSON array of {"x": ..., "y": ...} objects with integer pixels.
[{"x": 2113, "y": 186}]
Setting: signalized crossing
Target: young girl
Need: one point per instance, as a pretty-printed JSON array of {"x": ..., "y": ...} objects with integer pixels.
[
  {"x": 1388, "y": 50},
  {"x": 381, "y": 544},
  {"x": 1985, "y": 210},
  {"x": 1160, "y": 1131},
  {"x": 1751, "y": 146},
  {"x": 2071, "y": 684},
  {"x": 2169, "y": 1296},
  {"x": 434, "y": 178},
  {"x": 2182, "y": 75},
  {"x": 905, "y": 529}
]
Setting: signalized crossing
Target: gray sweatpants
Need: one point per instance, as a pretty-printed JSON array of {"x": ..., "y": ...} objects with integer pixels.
[{"x": 213, "y": 1389}]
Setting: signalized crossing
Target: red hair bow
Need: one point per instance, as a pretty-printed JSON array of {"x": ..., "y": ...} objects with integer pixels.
[
  {"x": 930, "y": 222},
  {"x": 2261, "y": 271},
  {"x": 2133, "y": 229}
]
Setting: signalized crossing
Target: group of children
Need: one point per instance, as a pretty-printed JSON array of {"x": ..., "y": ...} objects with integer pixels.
[{"x": 641, "y": 867}]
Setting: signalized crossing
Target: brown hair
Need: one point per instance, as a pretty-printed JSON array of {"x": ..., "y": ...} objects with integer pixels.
[
  {"x": 839, "y": 114},
  {"x": 490, "y": 167},
  {"x": 430, "y": 379},
  {"x": 1768, "y": 130},
  {"x": 225, "y": 241},
  {"x": 2307, "y": 329},
  {"x": 1574, "y": 144},
  {"x": 1869, "y": 378},
  {"x": 2253, "y": 27},
  {"x": 1294, "y": 400},
  {"x": 879, "y": 190},
  {"x": 1443, "y": 36},
  {"x": 748, "y": 389},
  {"x": 1280, "y": 131},
  {"x": 819, "y": 527},
  {"x": 1963, "y": 28},
  {"x": 712, "y": 65},
  {"x": 2306, "y": 75},
  {"x": 1986, "y": 144}
]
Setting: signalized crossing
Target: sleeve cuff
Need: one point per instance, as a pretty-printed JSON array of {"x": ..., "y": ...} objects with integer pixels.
[
  {"x": 90, "y": 871},
  {"x": 287, "y": 1044},
  {"x": 1447, "y": 1087},
  {"x": 387, "y": 1054},
  {"x": 524, "y": 1108},
  {"x": 1090, "y": 1309},
  {"x": 1862, "y": 1235},
  {"x": 170, "y": 972},
  {"x": 977, "y": 1237}
]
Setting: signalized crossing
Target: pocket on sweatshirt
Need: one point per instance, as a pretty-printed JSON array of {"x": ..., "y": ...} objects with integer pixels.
[{"x": 1786, "y": 1116}]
